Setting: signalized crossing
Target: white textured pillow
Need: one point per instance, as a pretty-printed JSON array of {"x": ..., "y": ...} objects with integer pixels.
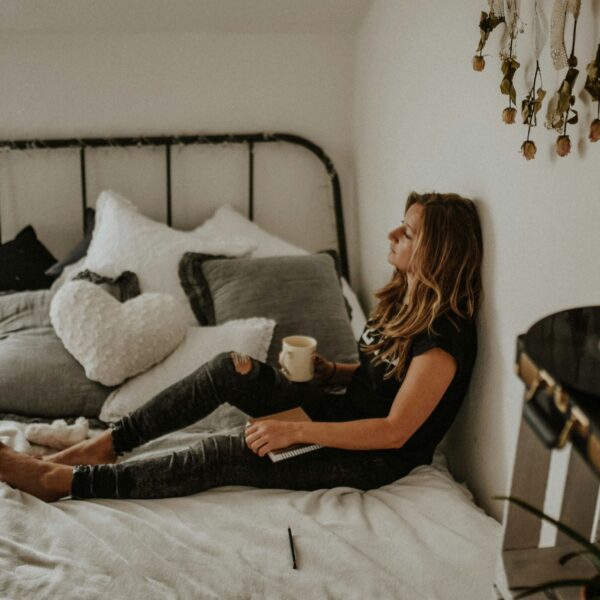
[
  {"x": 126, "y": 240},
  {"x": 114, "y": 341},
  {"x": 228, "y": 222},
  {"x": 247, "y": 336}
]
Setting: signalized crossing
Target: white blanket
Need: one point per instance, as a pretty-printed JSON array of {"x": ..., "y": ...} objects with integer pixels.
[{"x": 421, "y": 537}]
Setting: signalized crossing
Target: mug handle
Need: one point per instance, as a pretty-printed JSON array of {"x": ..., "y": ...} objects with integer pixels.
[{"x": 284, "y": 370}]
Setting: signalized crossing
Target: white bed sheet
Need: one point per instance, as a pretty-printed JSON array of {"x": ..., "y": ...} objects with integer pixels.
[{"x": 421, "y": 537}]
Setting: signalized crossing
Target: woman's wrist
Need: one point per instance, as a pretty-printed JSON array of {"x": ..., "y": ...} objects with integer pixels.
[{"x": 331, "y": 375}]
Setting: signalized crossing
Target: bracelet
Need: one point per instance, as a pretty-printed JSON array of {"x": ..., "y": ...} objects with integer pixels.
[{"x": 330, "y": 377}]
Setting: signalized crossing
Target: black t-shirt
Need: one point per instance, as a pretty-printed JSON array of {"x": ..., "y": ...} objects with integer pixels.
[{"x": 375, "y": 395}]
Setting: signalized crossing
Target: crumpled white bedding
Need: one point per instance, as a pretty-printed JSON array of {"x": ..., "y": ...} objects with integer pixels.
[{"x": 421, "y": 537}]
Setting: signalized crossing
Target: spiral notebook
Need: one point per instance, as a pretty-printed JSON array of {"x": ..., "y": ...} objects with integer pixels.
[{"x": 294, "y": 414}]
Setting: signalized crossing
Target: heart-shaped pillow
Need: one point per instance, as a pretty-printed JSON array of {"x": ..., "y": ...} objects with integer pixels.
[{"x": 114, "y": 341}]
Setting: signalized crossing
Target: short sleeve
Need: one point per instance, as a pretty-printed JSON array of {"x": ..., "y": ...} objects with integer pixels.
[{"x": 447, "y": 336}]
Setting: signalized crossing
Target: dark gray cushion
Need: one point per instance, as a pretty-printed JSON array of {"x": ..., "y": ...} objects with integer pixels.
[
  {"x": 23, "y": 262},
  {"x": 38, "y": 377},
  {"x": 302, "y": 294}
]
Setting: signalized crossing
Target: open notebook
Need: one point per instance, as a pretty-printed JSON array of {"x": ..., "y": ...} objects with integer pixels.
[{"x": 294, "y": 414}]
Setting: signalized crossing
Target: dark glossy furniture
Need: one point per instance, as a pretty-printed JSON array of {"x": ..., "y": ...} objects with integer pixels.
[{"x": 558, "y": 359}]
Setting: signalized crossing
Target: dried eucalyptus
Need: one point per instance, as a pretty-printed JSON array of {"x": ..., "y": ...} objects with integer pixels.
[
  {"x": 592, "y": 86},
  {"x": 487, "y": 23}
]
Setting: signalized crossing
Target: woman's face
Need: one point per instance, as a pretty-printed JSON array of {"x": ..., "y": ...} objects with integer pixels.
[{"x": 402, "y": 238}]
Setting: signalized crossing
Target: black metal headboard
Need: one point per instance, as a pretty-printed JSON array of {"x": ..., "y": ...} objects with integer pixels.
[{"x": 250, "y": 139}]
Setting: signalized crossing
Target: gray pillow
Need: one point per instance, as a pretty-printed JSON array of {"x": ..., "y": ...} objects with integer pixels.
[
  {"x": 302, "y": 294},
  {"x": 38, "y": 377}
]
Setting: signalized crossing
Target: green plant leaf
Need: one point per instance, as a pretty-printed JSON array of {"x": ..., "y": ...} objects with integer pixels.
[
  {"x": 591, "y": 548},
  {"x": 529, "y": 591}
]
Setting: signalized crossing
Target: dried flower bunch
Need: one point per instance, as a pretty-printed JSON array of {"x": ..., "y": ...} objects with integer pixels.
[
  {"x": 561, "y": 111},
  {"x": 592, "y": 86}
]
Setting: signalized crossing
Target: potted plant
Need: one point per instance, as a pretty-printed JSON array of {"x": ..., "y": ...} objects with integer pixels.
[{"x": 589, "y": 588}]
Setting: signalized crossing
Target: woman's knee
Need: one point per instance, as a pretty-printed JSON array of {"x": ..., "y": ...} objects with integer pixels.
[
  {"x": 241, "y": 366},
  {"x": 230, "y": 363}
]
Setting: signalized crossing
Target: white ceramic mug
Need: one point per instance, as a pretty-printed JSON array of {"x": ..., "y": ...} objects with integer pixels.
[{"x": 296, "y": 357}]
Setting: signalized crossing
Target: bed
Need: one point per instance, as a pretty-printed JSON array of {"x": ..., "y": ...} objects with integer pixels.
[{"x": 419, "y": 537}]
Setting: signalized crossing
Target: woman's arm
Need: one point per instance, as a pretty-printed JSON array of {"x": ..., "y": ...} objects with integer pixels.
[{"x": 427, "y": 378}]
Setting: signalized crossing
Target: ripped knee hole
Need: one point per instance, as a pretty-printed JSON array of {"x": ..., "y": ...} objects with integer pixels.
[{"x": 242, "y": 363}]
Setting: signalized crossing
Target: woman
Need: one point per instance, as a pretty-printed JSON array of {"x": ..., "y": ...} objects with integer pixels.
[{"x": 416, "y": 357}]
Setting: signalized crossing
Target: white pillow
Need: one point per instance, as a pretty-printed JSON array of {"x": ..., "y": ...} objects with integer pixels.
[
  {"x": 228, "y": 222},
  {"x": 114, "y": 341},
  {"x": 247, "y": 336},
  {"x": 126, "y": 240}
]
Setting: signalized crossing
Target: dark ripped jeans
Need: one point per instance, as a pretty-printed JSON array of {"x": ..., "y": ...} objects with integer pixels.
[{"x": 225, "y": 459}]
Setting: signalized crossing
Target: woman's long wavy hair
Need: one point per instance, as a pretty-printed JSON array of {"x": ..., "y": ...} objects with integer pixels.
[{"x": 446, "y": 270}]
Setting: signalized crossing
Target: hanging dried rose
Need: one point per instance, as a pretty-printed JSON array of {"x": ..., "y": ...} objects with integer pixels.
[
  {"x": 594, "y": 131},
  {"x": 509, "y": 114},
  {"x": 487, "y": 23},
  {"x": 528, "y": 149},
  {"x": 478, "y": 63},
  {"x": 563, "y": 145},
  {"x": 558, "y": 116}
]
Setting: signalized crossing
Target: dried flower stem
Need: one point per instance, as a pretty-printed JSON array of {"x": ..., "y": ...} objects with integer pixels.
[
  {"x": 510, "y": 56},
  {"x": 532, "y": 113},
  {"x": 572, "y": 64}
]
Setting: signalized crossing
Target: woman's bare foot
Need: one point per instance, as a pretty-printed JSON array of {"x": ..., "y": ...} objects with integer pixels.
[
  {"x": 95, "y": 451},
  {"x": 45, "y": 481}
]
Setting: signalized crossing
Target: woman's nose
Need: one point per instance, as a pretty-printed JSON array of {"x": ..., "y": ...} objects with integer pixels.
[{"x": 394, "y": 234}]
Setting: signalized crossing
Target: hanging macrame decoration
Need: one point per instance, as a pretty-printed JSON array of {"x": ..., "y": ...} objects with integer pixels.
[
  {"x": 487, "y": 23},
  {"x": 533, "y": 101},
  {"x": 592, "y": 86},
  {"x": 562, "y": 103},
  {"x": 509, "y": 63}
]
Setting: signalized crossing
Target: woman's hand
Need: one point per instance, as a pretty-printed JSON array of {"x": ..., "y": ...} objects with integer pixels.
[
  {"x": 269, "y": 435},
  {"x": 324, "y": 369}
]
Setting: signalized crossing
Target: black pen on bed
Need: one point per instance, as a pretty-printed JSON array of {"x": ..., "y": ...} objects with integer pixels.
[{"x": 292, "y": 549}]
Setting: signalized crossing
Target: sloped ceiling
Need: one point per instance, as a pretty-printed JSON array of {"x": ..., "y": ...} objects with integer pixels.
[{"x": 235, "y": 16}]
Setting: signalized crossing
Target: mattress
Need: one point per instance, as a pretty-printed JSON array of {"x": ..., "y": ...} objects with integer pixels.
[{"x": 419, "y": 537}]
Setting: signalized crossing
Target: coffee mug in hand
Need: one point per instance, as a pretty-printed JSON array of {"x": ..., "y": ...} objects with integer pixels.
[{"x": 296, "y": 357}]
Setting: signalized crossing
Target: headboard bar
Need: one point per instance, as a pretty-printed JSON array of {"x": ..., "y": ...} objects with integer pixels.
[{"x": 241, "y": 138}]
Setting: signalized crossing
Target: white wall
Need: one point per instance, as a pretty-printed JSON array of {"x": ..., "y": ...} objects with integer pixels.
[
  {"x": 425, "y": 121},
  {"x": 96, "y": 83}
]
